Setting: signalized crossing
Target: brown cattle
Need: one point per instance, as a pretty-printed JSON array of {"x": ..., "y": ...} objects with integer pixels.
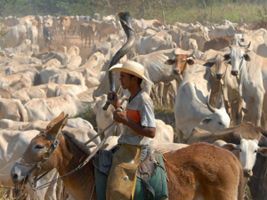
[
  {"x": 218, "y": 43},
  {"x": 198, "y": 171},
  {"x": 87, "y": 33},
  {"x": 246, "y": 141},
  {"x": 65, "y": 24},
  {"x": 228, "y": 83}
]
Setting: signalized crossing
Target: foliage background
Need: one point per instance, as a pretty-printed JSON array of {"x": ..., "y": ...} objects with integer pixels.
[{"x": 166, "y": 10}]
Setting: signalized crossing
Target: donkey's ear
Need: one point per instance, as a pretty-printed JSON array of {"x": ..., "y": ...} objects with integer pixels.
[{"x": 56, "y": 124}]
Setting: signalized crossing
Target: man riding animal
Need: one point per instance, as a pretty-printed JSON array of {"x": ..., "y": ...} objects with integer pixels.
[{"x": 139, "y": 127}]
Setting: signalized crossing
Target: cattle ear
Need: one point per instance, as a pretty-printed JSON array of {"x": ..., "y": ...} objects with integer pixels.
[
  {"x": 247, "y": 57},
  {"x": 231, "y": 146},
  {"x": 209, "y": 64},
  {"x": 245, "y": 110},
  {"x": 190, "y": 61},
  {"x": 263, "y": 151},
  {"x": 227, "y": 56},
  {"x": 170, "y": 62}
]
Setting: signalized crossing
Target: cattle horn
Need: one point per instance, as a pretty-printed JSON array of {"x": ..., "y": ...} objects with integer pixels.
[
  {"x": 222, "y": 103},
  {"x": 210, "y": 107},
  {"x": 262, "y": 131},
  {"x": 244, "y": 45},
  {"x": 125, "y": 20},
  {"x": 228, "y": 135}
]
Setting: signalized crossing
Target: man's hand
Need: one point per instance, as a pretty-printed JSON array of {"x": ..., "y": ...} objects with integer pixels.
[
  {"x": 120, "y": 116},
  {"x": 113, "y": 99}
]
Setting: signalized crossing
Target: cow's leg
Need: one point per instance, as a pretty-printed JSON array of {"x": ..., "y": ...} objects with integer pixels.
[
  {"x": 257, "y": 112},
  {"x": 264, "y": 112},
  {"x": 165, "y": 94},
  {"x": 160, "y": 93}
]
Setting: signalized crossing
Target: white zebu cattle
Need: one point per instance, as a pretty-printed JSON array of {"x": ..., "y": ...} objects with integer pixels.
[
  {"x": 226, "y": 29},
  {"x": 24, "y": 49},
  {"x": 245, "y": 140},
  {"x": 158, "y": 41},
  {"x": 61, "y": 76},
  {"x": 199, "y": 34},
  {"x": 156, "y": 70},
  {"x": 143, "y": 24},
  {"x": 196, "y": 113},
  {"x": 74, "y": 58},
  {"x": 14, "y": 36},
  {"x": 247, "y": 66},
  {"x": 54, "y": 89},
  {"x": 191, "y": 102},
  {"x": 47, "y": 90},
  {"x": 20, "y": 63},
  {"x": 52, "y": 63},
  {"x": 229, "y": 84},
  {"x": 95, "y": 63},
  {"x": 25, "y": 94},
  {"x": 12, "y": 143},
  {"x": 5, "y": 93},
  {"x": 258, "y": 39},
  {"x": 73, "y": 125},
  {"x": 68, "y": 77},
  {"x": 46, "y": 109},
  {"x": 19, "y": 80},
  {"x": 12, "y": 109},
  {"x": 104, "y": 29}
]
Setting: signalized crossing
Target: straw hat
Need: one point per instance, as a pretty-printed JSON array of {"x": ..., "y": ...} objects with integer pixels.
[{"x": 131, "y": 67}]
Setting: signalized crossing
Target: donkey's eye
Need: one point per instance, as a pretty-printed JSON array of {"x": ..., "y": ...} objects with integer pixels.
[{"x": 38, "y": 147}]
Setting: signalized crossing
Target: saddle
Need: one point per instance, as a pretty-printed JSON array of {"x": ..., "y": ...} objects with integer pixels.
[{"x": 151, "y": 176}]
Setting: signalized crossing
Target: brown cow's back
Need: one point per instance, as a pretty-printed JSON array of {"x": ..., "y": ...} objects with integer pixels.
[{"x": 203, "y": 170}]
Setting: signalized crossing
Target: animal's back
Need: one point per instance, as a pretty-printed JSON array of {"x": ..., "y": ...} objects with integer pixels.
[{"x": 203, "y": 170}]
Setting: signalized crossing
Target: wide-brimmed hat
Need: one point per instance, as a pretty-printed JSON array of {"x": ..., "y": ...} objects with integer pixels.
[{"x": 131, "y": 67}]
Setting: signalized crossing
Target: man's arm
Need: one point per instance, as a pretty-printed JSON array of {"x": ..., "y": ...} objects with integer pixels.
[{"x": 120, "y": 117}]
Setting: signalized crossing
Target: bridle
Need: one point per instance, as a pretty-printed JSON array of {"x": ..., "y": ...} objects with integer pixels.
[
  {"x": 38, "y": 165},
  {"x": 55, "y": 142}
]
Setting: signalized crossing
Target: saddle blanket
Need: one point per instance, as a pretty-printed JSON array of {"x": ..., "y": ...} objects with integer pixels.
[{"x": 151, "y": 181}]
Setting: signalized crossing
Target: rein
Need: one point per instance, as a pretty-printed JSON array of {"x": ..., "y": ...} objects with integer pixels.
[{"x": 51, "y": 150}]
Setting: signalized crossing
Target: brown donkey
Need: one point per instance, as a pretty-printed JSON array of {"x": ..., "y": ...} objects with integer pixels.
[{"x": 199, "y": 171}]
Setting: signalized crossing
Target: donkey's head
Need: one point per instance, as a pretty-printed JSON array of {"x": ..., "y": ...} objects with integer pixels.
[{"x": 42, "y": 154}]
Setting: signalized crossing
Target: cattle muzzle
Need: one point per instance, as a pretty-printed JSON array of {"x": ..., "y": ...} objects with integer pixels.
[
  {"x": 234, "y": 73},
  {"x": 176, "y": 71},
  {"x": 219, "y": 76},
  {"x": 247, "y": 173}
]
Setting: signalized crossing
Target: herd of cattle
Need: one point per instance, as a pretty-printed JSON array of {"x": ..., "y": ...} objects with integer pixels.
[{"x": 213, "y": 76}]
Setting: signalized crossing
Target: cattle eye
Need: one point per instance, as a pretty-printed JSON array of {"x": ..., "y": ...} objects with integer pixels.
[
  {"x": 220, "y": 123},
  {"x": 227, "y": 56},
  {"x": 170, "y": 61},
  {"x": 246, "y": 56}
]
